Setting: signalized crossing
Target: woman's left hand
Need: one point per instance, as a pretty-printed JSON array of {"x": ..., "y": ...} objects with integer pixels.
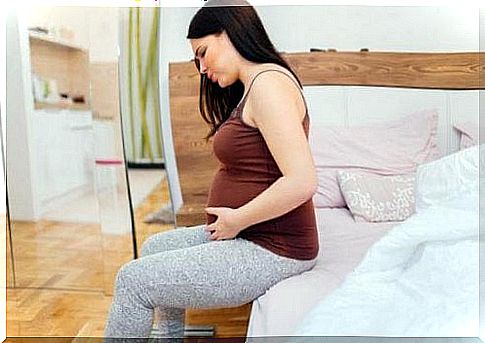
[{"x": 226, "y": 226}]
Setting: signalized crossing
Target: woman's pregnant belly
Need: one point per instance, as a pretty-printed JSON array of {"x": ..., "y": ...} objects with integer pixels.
[{"x": 227, "y": 190}]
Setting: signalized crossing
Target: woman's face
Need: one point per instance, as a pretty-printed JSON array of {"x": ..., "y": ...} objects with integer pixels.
[{"x": 217, "y": 58}]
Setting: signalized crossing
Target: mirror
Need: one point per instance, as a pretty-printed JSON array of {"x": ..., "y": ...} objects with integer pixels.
[
  {"x": 86, "y": 178},
  {"x": 4, "y": 220},
  {"x": 71, "y": 224},
  {"x": 95, "y": 186}
]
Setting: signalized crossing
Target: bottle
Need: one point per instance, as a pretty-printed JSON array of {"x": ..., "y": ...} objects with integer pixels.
[{"x": 114, "y": 210}]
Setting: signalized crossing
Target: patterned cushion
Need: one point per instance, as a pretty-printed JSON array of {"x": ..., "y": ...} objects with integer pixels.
[{"x": 377, "y": 198}]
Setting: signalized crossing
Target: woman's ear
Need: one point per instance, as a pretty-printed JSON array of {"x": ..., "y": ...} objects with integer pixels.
[{"x": 220, "y": 35}]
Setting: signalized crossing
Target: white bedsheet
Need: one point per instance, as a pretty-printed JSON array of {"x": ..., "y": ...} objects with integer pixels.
[
  {"x": 421, "y": 280},
  {"x": 343, "y": 244}
]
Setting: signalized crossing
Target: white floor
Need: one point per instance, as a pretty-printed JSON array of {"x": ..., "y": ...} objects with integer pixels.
[{"x": 85, "y": 208}]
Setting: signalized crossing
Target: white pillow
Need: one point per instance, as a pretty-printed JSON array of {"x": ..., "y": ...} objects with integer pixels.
[
  {"x": 441, "y": 180},
  {"x": 392, "y": 147},
  {"x": 468, "y": 131}
]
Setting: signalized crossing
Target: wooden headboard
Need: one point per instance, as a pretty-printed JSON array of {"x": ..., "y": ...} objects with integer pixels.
[{"x": 195, "y": 160}]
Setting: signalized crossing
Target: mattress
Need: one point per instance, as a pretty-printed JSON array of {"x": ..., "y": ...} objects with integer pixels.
[{"x": 343, "y": 244}]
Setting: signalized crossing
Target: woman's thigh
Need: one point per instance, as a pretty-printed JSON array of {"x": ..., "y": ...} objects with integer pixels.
[
  {"x": 218, "y": 274},
  {"x": 179, "y": 238}
]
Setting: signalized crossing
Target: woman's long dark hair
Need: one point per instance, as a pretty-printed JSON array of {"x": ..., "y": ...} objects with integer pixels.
[{"x": 246, "y": 32}]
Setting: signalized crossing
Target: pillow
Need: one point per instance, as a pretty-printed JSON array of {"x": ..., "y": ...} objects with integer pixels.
[
  {"x": 390, "y": 148},
  {"x": 468, "y": 133},
  {"x": 376, "y": 198},
  {"x": 448, "y": 177}
]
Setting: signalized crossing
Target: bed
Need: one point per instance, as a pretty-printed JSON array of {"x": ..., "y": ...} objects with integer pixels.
[
  {"x": 343, "y": 244},
  {"x": 427, "y": 100},
  {"x": 416, "y": 278}
]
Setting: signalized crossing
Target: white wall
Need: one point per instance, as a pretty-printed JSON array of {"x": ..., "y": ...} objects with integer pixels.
[
  {"x": 345, "y": 28},
  {"x": 23, "y": 204},
  {"x": 56, "y": 17},
  {"x": 103, "y": 30},
  {"x": 94, "y": 28},
  {"x": 349, "y": 28},
  {"x": 3, "y": 210},
  {"x": 3, "y": 71}
]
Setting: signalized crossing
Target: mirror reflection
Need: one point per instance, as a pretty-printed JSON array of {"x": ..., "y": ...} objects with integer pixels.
[
  {"x": 70, "y": 215},
  {"x": 86, "y": 177},
  {"x": 141, "y": 121},
  {"x": 86, "y": 168}
]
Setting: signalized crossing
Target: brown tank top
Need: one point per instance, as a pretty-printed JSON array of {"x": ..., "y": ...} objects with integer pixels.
[{"x": 247, "y": 168}]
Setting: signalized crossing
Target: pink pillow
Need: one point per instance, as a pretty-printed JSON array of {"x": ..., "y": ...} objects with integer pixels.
[
  {"x": 376, "y": 198},
  {"x": 468, "y": 133},
  {"x": 390, "y": 148}
]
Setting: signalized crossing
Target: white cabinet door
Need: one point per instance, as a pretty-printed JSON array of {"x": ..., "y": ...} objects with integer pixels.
[{"x": 63, "y": 150}]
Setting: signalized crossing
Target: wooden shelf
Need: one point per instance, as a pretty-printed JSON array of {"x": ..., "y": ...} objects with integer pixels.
[
  {"x": 61, "y": 106},
  {"x": 65, "y": 63},
  {"x": 54, "y": 41}
]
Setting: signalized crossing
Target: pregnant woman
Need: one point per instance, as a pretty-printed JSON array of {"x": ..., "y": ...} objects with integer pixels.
[{"x": 260, "y": 225}]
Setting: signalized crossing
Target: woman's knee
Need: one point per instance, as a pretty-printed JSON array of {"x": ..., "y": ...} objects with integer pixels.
[
  {"x": 129, "y": 277},
  {"x": 153, "y": 244},
  {"x": 174, "y": 239},
  {"x": 131, "y": 283},
  {"x": 147, "y": 246},
  {"x": 124, "y": 277}
]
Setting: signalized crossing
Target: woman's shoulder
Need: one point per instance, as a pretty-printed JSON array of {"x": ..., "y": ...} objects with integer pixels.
[
  {"x": 274, "y": 78},
  {"x": 271, "y": 89},
  {"x": 268, "y": 67}
]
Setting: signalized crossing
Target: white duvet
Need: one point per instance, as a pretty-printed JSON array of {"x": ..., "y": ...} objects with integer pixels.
[{"x": 421, "y": 279}]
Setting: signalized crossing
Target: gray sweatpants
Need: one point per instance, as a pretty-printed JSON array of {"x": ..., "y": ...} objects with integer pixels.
[{"x": 184, "y": 268}]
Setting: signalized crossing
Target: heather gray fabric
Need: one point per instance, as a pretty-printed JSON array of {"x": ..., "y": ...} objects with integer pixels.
[{"x": 182, "y": 269}]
